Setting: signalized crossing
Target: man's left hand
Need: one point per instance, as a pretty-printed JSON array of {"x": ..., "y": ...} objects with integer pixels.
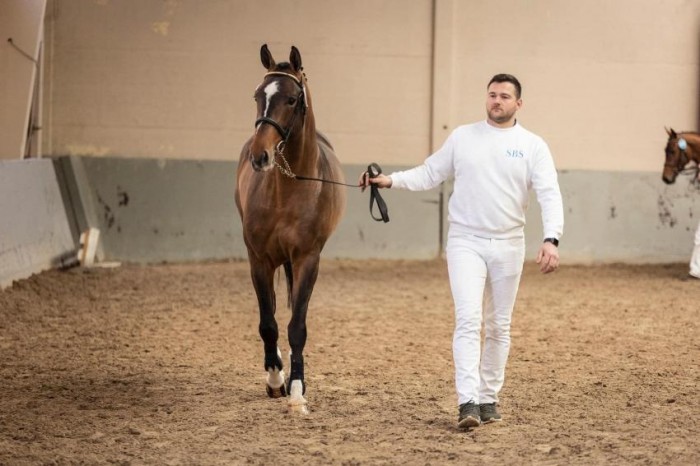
[{"x": 548, "y": 258}]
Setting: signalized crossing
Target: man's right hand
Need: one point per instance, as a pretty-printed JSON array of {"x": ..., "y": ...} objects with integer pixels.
[{"x": 380, "y": 180}]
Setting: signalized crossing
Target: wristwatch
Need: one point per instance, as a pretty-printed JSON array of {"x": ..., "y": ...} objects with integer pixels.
[{"x": 554, "y": 241}]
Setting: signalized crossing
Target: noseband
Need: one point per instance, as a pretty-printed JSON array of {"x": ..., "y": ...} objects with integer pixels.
[{"x": 300, "y": 105}]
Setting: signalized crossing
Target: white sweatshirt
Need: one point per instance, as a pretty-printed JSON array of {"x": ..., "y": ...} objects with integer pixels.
[{"x": 493, "y": 170}]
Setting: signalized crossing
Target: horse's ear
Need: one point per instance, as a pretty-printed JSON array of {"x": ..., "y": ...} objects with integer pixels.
[
  {"x": 295, "y": 59},
  {"x": 266, "y": 58},
  {"x": 672, "y": 133}
]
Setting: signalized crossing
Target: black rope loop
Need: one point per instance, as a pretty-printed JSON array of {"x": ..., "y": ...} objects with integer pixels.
[{"x": 373, "y": 171}]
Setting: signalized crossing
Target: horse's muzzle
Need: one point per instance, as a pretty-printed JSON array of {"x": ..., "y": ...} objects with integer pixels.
[{"x": 261, "y": 161}]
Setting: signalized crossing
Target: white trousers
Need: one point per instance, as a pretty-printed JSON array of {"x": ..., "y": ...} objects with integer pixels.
[
  {"x": 695, "y": 259},
  {"x": 484, "y": 278}
]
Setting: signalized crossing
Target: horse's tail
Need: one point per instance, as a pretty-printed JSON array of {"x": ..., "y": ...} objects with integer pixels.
[{"x": 290, "y": 280}]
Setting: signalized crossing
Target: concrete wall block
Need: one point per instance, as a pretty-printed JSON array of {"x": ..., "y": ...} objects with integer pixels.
[
  {"x": 154, "y": 210},
  {"x": 177, "y": 210},
  {"x": 34, "y": 231},
  {"x": 622, "y": 217}
]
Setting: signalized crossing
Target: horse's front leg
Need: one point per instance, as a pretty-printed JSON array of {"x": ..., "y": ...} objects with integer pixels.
[
  {"x": 263, "y": 283},
  {"x": 305, "y": 274}
]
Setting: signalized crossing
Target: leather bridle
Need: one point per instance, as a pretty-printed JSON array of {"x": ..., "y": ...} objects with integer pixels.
[
  {"x": 300, "y": 107},
  {"x": 679, "y": 166}
]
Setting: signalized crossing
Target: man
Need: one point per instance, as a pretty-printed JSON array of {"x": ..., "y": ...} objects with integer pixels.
[
  {"x": 695, "y": 258},
  {"x": 494, "y": 163}
]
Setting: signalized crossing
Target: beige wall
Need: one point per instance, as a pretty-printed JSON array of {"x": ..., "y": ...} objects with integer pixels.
[
  {"x": 601, "y": 78},
  {"x": 21, "y": 20},
  {"x": 175, "y": 78},
  {"x": 390, "y": 78}
]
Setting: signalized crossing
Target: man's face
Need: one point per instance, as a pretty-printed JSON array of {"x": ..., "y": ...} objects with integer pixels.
[{"x": 501, "y": 103}]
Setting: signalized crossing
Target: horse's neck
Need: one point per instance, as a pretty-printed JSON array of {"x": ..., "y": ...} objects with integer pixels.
[
  {"x": 304, "y": 149},
  {"x": 693, "y": 140}
]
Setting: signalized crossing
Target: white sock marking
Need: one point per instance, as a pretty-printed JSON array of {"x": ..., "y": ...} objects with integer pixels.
[
  {"x": 275, "y": 377},
  {"x": 295, "y": 393}
]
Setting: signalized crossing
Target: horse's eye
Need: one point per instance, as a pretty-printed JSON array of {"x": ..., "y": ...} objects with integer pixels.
[{"x": 292, "y": 100}]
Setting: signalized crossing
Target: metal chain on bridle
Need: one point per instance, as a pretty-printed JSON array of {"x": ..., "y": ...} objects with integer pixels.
[
  {"x": 373, "y": 169},
  {"x": 286, "y": 169}
]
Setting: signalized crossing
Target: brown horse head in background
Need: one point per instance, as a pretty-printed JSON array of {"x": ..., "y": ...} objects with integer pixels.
[
  {"x": 681, "y": 149},
  {"x": 286, "y": 221}
]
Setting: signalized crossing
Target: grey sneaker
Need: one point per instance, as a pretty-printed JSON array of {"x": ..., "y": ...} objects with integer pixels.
[
  {"x": 489, "y": 413},
  {"x": 469, "y": 415}
]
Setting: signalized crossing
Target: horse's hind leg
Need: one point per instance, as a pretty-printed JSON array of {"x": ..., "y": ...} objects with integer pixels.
[
  {"x": 305, "y": 274},
  {"x": 262, "y": 276}
]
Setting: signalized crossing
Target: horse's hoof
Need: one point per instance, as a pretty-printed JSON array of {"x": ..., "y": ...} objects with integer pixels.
[
  {"x": 297, "y": 402},
  {"x": 300, "y": 409},
  {"x": 278, "y": 392}
]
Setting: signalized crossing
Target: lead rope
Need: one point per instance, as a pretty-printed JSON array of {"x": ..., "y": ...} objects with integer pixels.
[{"x": 373, "y": 170}]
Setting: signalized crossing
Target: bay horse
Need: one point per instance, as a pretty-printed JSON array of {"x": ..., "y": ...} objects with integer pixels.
[
  {"x": 286, "y": 221},
  {"x": 681, "y": 149}
]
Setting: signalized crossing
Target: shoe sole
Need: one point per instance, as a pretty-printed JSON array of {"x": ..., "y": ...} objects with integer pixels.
[
  {"x": 489, "y": 421},
  {"x": 469, "y": 422}
]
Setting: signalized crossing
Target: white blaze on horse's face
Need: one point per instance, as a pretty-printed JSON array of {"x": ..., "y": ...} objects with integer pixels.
[{"x": 270, "y": 90}]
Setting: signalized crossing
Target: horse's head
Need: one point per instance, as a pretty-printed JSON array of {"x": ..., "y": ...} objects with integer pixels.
[
  {"x": 676, "y": 156},
  {"x": 282, "y": 102}
]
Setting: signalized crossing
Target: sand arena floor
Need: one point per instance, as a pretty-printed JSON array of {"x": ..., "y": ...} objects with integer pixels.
[{"x": 163, "y": 365}]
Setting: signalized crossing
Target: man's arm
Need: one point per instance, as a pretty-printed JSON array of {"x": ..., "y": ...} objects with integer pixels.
[{"x": 546, "y": 186}]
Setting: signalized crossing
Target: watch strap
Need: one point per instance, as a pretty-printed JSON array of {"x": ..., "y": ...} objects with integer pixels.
[{"x": 554, "y": 241}]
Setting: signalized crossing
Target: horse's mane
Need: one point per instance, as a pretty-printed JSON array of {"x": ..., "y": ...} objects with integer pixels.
[{"x": 680, "y": 133}]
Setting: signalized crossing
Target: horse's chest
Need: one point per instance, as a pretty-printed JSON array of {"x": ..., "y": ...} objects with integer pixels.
[
  {"x": 281, "y": 242},
  {"x": 281, "y": 227}
]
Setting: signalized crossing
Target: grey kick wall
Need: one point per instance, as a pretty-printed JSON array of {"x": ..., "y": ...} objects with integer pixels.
[{"x": 35, "y": 234}]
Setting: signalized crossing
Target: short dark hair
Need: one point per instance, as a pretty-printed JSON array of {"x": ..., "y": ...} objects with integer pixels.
[{"x": 507, "y": 78}]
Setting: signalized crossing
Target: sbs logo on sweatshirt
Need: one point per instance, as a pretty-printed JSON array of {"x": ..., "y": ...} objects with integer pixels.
[{"x": 515, "y": 154}]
